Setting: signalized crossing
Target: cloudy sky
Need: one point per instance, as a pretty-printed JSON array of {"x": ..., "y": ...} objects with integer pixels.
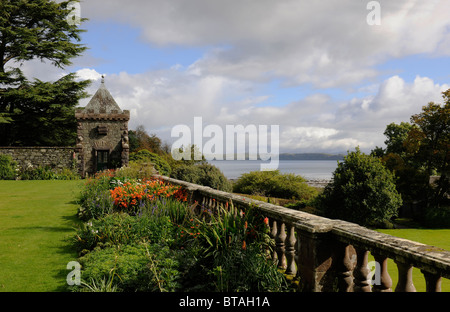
[{"x": 329, "y": 78}]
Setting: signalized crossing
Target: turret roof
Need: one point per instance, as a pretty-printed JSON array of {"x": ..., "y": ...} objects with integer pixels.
[{"x": 102, "y": 101}]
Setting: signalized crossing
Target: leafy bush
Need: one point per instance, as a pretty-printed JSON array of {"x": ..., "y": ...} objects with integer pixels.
[
  {"x": 158, "y": 162},
  {"x": 275, "y": 184},
  {"x": 94, "y": 199},
  {"x": 121, "y": 229},
  {"x": 135, "y": 170},
  {"x": 203, "y": 174},
  {"x": 48, "y": 173},
  {"x": 7, "y": 168},
  {"x": 234, "y": 252},
  {"x": 247, "y": 270},
  {"x": 437, "y": 217},
  {"x": 139, "y": 267},
  {"x": 362, "y": 191}
]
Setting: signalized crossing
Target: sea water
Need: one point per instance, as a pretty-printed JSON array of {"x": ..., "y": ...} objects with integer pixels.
[{"x": 308, "y": 169}]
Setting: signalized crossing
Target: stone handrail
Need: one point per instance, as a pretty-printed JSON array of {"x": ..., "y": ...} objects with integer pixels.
[{"x": 332, "y": 255}]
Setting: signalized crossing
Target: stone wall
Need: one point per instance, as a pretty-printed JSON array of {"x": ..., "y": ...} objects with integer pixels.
[
  {"x": 109, "y": 133},
  {"x": 54, "y": 157}
]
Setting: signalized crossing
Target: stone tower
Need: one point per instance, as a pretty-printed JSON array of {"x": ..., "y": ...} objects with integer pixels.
[{"x": 102, "y": 134}]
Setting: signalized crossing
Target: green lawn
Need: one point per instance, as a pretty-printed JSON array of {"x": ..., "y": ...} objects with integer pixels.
[
  {"x": 433, "y": 237},
  {"x": 37, "y": 218}
]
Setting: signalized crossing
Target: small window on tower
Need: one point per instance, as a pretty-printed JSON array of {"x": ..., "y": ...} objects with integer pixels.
[{"x": 102, "y": 130}]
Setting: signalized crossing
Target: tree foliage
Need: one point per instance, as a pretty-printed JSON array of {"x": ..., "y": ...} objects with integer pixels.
[
  {"x": 416, "y": 151},
  {"x": 362, "y": 191},
  {"x": 158, "y": 162},
  {"x": 202, "y": 174},
  {"x": 140, "y": 139},
  {"x": 429, "y": 142},
  {"x": 274, "y": 184},
  {"x": 34, "y": 112}
]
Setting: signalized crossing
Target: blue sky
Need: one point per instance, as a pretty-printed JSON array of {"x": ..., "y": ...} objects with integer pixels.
[
  {"x": 317, "y": 69},
  {"x": 120, "y": 48}
]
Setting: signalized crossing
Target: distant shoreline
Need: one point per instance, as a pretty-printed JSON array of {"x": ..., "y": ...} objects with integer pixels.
[
  {"x": 291, "y": 156},
  {"x": 311, "y": 156},
  {"x": 321, "y": 183},
  {"x": 315, "y": 172}
]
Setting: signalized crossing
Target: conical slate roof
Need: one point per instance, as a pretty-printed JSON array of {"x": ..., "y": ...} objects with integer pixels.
[{"x": 102, "y": 102}]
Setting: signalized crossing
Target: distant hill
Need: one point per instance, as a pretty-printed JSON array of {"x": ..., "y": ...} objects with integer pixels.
[{"x": 311, "y": 156}]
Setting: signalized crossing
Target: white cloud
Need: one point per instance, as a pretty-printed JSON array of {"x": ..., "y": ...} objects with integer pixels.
[
  {"x": 326, "y": 43},
  {"x": 323, "y": 44},
  {"x": 88, "y": 74},
  {"x": 162, "y": 99}
]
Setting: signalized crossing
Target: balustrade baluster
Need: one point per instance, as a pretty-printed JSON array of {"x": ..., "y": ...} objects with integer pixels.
[
  {"x": 297, "y": 254},
  {"x": 361, "y": 272},
  {"x": 384, "y": 278},
  {"x": 205, "y": 202},
  {"x": 280, "y": 245},
  {"x": 273, "y": 235},
  {"x": 433, "y": 281},
  {"x": 405, "y": 282},
  {"x": 346, "y": 258},
  {"x": 290, "y": 251}
]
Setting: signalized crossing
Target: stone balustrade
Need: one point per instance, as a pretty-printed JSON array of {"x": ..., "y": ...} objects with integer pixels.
[{"x": 332, "y": 255}]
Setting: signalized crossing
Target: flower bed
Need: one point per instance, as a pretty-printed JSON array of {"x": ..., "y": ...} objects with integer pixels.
[
  {"x": 143, "y": 235},
  {"x": 132, "y": 195}
]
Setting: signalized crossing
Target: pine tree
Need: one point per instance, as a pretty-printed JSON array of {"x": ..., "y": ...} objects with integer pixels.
[{"x": 34, "y": 112}]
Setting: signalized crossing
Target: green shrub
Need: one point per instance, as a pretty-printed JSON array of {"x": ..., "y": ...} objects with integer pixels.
[
  {"x": 274, "y": 184},
  {"x": 158, "y": 162},
  {"x": 249, "y": 270},
  {"x": 94, "y": 198},
  {"x": 139, "y": 169},
  {"x": 121, "y": 229},
  {"x": 67, "y": 174},
  {"x": 362, "y": 191},
  {"x": 437, "y": 217},
  {"x": 234, "y": 253},
  {"x": 203, "y": 174},
  {"x": 7, "y": 168},
  {"x": 48, "y": 173},
  {"x": 133, "y": 268},
  {"x": 38, "y": 173}
]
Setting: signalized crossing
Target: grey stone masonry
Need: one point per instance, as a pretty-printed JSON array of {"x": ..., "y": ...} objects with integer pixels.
[
  {"x": 102, "y": 133},
  {"x": 32, "y": 157}
]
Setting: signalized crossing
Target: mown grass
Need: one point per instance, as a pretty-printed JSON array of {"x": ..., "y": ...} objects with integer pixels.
[
  {"x": 37, "y": 219},
  {"x": 433, "y": 237}
]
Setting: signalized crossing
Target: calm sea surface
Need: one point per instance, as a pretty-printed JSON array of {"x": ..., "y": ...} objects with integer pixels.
[{"x": 309, "y": 169}]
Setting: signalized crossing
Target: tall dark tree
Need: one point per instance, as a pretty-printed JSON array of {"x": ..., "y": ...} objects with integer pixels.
[
  {"x": 34, "y": 112},
  {"x": 429, "y": 142},
  {"x": 140, "y": 139},
  {"x": 417, "y": 151}
]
